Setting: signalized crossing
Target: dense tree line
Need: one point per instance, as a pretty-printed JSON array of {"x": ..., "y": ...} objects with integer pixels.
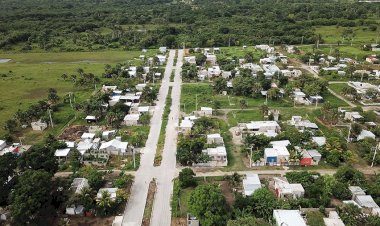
[{"x": 80, "y": 25}]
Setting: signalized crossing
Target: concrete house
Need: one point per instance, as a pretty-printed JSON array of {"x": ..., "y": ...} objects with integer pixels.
[
  {"x": 268, "y": 128},
  {"x": 115, "y": 147},
  {"x": 78, "y": 185},
  {"x": 62, "y": 154},
  {"x": 211, "y": 59},
  {"x": 333, "y": 219},
  {"x": 299, "y": 97},
  {"x": 215, "y": 139},
  {"x": 90, "y": 119},
  {"x": 190, "y": 59},
  {"x": 366, "y": 134},
  {"x": 286, "y": 190},
  {"x": 162, "y": 49},
  {"x": 251, "y": 183},
  {"x": 111, "y": 191},
  {"x": 213, "y": 71},
  {"x": 278, "y": 155},
  {"x": 218, "y": 156},
  {"x": 39, "y": 125},
  {"x": 185, "y": 126},
  {"x": 288, "y": 217},
  {"x": 352, "y": 116},
  {"x": 161, "y": 59},
  {"x": 205, "y": 111},
  {"x": 320, "y": 141},
  {"x": 131, "y": 119}
]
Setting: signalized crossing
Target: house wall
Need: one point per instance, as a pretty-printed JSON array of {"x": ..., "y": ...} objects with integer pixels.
[{"x": 306, "y": 161}]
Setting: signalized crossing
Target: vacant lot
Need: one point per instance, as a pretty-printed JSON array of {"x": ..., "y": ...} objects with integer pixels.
[
  {"x": 333, "y": 34},
  {"x": 28, "y": 76}
]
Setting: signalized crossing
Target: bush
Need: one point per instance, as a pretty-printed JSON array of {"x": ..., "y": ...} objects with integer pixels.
[{"x": 186, "y": 178}]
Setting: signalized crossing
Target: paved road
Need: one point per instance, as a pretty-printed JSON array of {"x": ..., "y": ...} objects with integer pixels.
[
  {"x": 134, "y": 211},
  {"x": 161, "y": 214}
]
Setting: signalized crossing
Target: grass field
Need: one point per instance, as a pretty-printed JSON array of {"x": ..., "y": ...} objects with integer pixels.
[
  {"x": 240, "y": 52},
  {"x": 333, "y": 34},
  {"x": 30, "y": 75},
  {"x": 354, "y": 51},
  {"x": 338, "y": 87}
]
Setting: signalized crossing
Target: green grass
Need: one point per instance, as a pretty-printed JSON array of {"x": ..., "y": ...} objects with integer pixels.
[
  {"x": 239, "y": 116},
  {"x": 206, "y": 98},
  {"x": 338, "y": 87},
  {"x": 31, "y": 78},
  {"x": 161, "y": 138},
  {"x": 314, "y": 218},
  {"x": 240, "y": 52},
  {"x": 333, "y": 34},
  {"x": 335, "y": 101},
  {"x": 354, "y": 51}
]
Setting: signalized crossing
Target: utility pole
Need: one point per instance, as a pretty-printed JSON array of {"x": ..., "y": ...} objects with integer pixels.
[
  {"x": 71, "y": 104},
  {"x": 266, "y": 99},
  {"x": 250, "y": 158},
  {"x": 51, "y": 120},
  {"x": 374, "y": 155},
  {"x": 196, "y": 102},
  {"x": 302, "y": 40},
  {"x": 349, "y": 133},
  {"x": 134, "y": 158}
]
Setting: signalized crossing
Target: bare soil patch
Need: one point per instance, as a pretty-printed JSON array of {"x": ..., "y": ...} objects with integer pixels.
[{"x": 73, "y": 133}]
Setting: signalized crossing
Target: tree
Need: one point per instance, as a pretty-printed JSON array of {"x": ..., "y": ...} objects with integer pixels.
[
  {"x": 52, "y": 96},
  {"x": 94, "y": 177},
  {"x": 208, "y": 204},
  {"x": 105, "y": 204},
  {"x": 220, "y": 84},
  {"x": 86, "y": 198},
  {"x": 64, "y": 76},
  {"x": 200, "y": 59},
  {"x": 189, "y": 151},
  {"x": 340, "y": 191},
  {"x": 30, "y": 196},
  {"x": 243, "y": 104},
  {"x": 75, "y": 160},
  {"x": 264, "y": 203},
  {"x": 145, "y": 119},
  {"x": 8, "y": 176},
  {"x": 186, "y": 178},
  {"x": 149, "y": 94},
  {"x": 10, "y": 125},
  {"x": 351, "y": 215},
  {"x": 247, "y": 221},
  {"x": 273, "y": 93},
  {"x": 39, "y": 157},
  {"x": 350, "y": 175}
]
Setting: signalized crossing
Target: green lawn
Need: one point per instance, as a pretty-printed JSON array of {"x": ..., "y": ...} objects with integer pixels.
[
  {"x": 338, "y": 87},
  {"x": 30, "y": 75},
  {"x": 354, "y": 51},
  {"x": 240, "y": 52},
  {"x": 314, "y": 218},
  {"x": 333, "y": 34}
]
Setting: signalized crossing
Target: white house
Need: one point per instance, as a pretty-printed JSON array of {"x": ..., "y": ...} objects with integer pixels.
[
  {"x": 364, "y": 134},
  {"x": 78, "y": 185},
  {"x": 111, "y": 191},
  {"x": 161, "y": 59},
  {"x": 362, "y": 87},
  {"x": 288, "y": 217},
  {"x": 131, "y": 119},
  {"x": 88, "y": 136},
  {"x": 215, "y": 139},
  {"x": 352, "y": 116},
  {"x": 320, "y": 141},
  {"x": 185, "y": 126},
  {"x": 211, "y": 59},
  {"x": 284, "y": 189},
  {"x": 268, "y": 128},
  {"x": 39, "y": 125},
  {"x": 299, "y": 97},
  {"x": 276, "y": 155},
  {"x": 333, "y": 219},
  {"x": 251, "y": 183},
  {"x": 213, "y": 71},
  {"x": 205, "y": 111},
  {"x": 3, "y": 144},
  {"x": 218, "y": 156},
  {"x": 162, "y": 49},
  {"x": 114, "y": 147},
  {"x": 62, "y": 154},
  {"x": 190, "y": 59},
  {"x": 141, "y": 86}
]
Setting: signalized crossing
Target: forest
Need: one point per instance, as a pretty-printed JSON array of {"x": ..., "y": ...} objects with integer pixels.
[{"x": 89, "y": 25}]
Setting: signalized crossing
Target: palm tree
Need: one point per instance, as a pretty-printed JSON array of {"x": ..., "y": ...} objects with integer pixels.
[
  {"x": 264, "y": 109},
  {"x": 243, "y": 104},
  {"x": 73, "y": 77},
  {"x": 105, "y": 203},
  {"x": 86, "y": 198}
]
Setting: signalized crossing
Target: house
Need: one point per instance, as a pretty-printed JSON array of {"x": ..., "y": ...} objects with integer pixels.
[
  {"x": 161, "y": 59},
  {"x": 268, "y": 128},
  {"x": 75, "y": 210},
  {"x": 315, "y": 156},
  {"x": 362, "y": 87},
  {"x": 39, "y": 125},
  {"x": 352, "y": 116},
  {"x": 372, "y": 59},
  {"x": 316, "y": 99},
  {"x": 284, "y": 189},
  {"x": 90, "y": 119},
  {"x": 88, "y": 136},
  {"x": 108, "y": 88},
  {"x": 132, "y": 71},
  {"x": 299, "y": 97},
  {"x": 62, "y": 154},
  {"x": 253, "y": 67},
  {"x": 283, "y": 143},
  {"x": 291, "y": 73},
  {"x": 306, "y": 159},
  {"x": 215, "y": 139},
  {"x": 108, "y": 134},
  {"x": 141, "y": 86},
  {"x": 78, "y": 185},
  {"x": 270, "y": 70},
  {"x": 85, "y": 145},
  {"x": 131, "y": 119},
  {"x": 226, "y": 74},
  {"x": 320, "y": 141},
  {"x": 213, "y": 71},
  {"x": 301, "y": 125},
  {"x": 290, "y": 49},
  {"x": 162, "y": 49},
  {"x": 288, "y": 218},
  {"x": 191, "y": 220},
  {"x": 333, "y": 219},
  {"x": 251, "y": 183},
  {"x": 211, "y": 59},
  {"x": 3, "y": 144},
  {"x": 276, "y": 155},
  {"x": 356, "y": 191},
  {"x": 111, "y": 191},
  {"x": 190, "y": 59},
  {"x": 205, "y": 111},
  {"x": 218, "y": 156},
  {"x": 115, "y": 147},
  {"x": 185, "y": 126},
  {"x": 118, "y": 221},
  {"x": 366, "y": 134},
  {"x": 365, "y": 201}
]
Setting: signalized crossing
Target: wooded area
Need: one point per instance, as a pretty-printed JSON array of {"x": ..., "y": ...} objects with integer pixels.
[{"x": 68, "y": 25}]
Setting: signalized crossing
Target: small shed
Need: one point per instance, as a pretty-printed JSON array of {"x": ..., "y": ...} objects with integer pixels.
[
  {"x": 131, "y": 119},
  {"x": 90, "y": 119},
  {"x": 62, "y": 154},
  {"x": 39, "y": 125},
  {"x": 206, "y": 111},
  {"x": 251, "y": 184},
  {"x": 306, "y": 159}
]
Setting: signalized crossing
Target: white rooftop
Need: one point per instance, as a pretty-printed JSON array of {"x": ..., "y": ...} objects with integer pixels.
[
  {"x": 115, "y": 143},
  {"x": 88, "y": 136},
  {"x": 366, "y": 201},
  {"x": 62, "y": 152},
  {"x": 283, "y": 143},
  {"x": 319, "y": 140},
  {"x": 132, "y": 117},
  {"x": 186, "y": 124},
  {"x": 288, "y": 217}
]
